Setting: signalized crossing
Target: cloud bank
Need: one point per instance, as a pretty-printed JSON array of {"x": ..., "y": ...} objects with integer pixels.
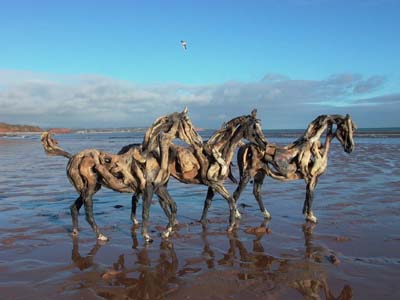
[{"x": 50, "y": 100}]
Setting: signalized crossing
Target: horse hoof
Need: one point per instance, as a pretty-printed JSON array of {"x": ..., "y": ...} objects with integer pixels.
[
  {"x": 102, "y": 237},
  {"x": 231, "y": 227},
  {"x": 311, "y": 218},
  {"x": 238, "y": 215},
  {"x": 147, "y": 239},
  {"x": 135, "y": 221},
  {"x": 203, "y": 222},
  {"x": 165, "y": 235},
  {"x": 267, "y": 215}
]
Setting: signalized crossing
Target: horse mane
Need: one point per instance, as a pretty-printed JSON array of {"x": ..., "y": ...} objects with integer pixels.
[
  {"x": 320, "y": 122},
  {"x": 188, "y": 133},
  {"x": 154, "y": 130},
  {"x": 226, "y": 131}
]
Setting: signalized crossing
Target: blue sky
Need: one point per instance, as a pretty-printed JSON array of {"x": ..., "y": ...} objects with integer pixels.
[{"x": 121, "y": 63}]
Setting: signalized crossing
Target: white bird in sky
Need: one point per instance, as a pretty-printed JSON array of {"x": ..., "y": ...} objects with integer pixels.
[{"x": 184, "y": 44}]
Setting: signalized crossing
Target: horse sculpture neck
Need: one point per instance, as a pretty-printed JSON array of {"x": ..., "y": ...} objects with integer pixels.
[
  {"x": 315, "y": 129},
  {"x": 227, "y": 138}
]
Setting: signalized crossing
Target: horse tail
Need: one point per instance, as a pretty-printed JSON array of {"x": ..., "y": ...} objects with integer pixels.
[{"x": 51, "y": 147}]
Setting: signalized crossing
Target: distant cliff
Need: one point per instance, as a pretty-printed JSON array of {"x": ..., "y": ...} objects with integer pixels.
[
  {"x": 60, "y": 130},
  {"x": 4, "y": 127}
]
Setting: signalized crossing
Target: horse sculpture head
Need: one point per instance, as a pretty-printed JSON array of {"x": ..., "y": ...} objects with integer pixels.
[
  {"x": 186, "y": 131},
  {"x": 177, "y": 124},
  {"x": 253, "y": 131},
  {"x": 243, "y": 127},
  {"x": 345, "y": 128}
]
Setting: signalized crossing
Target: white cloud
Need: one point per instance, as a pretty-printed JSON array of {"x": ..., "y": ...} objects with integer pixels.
[{"x": 96, "y": 101}]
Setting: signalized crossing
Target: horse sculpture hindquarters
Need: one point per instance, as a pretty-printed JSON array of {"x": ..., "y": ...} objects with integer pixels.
[
  {"x": 208, "y": 164},
  {"x": 306, "y": 158},
  {"x": 130, "y": 172}
]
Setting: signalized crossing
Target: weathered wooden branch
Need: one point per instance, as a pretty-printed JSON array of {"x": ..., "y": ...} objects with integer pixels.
[{"x": 51, "y": 146}]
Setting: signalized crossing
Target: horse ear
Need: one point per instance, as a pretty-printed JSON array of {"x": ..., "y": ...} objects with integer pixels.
[
  {"x": 254, "y": 113},
  {"x": 185, "y": 110},
  {"x": 354, "y": 124}
]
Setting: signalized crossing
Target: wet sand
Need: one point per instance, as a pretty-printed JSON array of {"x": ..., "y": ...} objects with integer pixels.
[{"x": 352, "y": 253}]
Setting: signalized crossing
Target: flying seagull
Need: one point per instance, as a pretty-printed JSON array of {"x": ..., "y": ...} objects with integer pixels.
[{"x": 184, "y": 44}]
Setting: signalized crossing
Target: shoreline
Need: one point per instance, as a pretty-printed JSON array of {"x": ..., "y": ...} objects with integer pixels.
[
  {"x": 20, "y": 133},
  {"x": 288, "y": 133}
]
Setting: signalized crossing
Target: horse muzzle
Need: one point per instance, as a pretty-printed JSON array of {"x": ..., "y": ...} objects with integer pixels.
[{"x": 349, "y": 148}]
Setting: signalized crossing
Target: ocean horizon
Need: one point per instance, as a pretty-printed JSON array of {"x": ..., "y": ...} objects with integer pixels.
[{"x": 378, "y": 132}]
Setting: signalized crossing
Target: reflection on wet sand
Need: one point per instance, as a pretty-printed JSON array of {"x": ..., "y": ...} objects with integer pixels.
[
  {"x": 170, "y": 276},
  {"x": 155, "y": 279},
  {"x": 311, "y": 288},
  {"x": 150, "y": 280},
  {"x": 83, "y": 262}
]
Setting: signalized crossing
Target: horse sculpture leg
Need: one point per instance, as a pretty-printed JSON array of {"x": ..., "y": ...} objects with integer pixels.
[
  {"x": 233, "y": 211},
  {"x": 244, "y": 180},
  {"x": 74, "y": 208},
  {"x": 207, "y": 204},
  {"x": 258, "y": 181},
  {"x": 172, "y": 206},
  {"x": 88, "y": 203},
  {"x": 147, "y": 197},
  {"x": 135, "y": 201},
  {"x": 307, "y": 210},
  {"x": 167, "y": 204},
  {"x": 170, "y": 209},
  {"x": 171, "y": 203}
]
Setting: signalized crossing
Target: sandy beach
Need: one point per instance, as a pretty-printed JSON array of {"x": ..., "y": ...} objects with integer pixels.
[{"x": 352, "y": 253}]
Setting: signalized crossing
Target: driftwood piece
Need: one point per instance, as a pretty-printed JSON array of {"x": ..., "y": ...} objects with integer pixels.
[{"x": 51, "y": 147}]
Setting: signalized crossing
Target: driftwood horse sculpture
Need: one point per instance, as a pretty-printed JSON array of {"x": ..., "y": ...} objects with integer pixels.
[
  {"x": 306, "y": 158},
  {"x": 142, "y": 168},
  {"x": 208, "y": 164}
]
